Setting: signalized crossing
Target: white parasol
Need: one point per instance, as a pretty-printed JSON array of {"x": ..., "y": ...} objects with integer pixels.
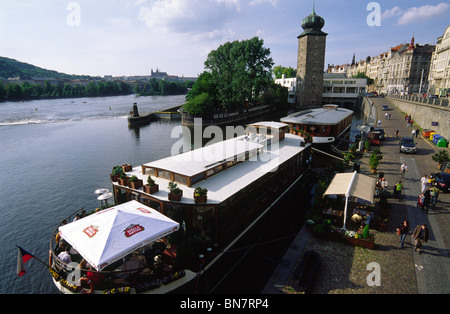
[{"x": 107, "y": 236}]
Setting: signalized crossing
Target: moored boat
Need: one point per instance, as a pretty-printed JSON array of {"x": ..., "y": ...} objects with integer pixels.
[
  {"x": 321, "y": 126},
  {"x": 223, "y": 189}
]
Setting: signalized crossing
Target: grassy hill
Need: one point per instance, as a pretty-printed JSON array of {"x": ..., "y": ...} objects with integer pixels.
[{"x": 14, "y": 68}]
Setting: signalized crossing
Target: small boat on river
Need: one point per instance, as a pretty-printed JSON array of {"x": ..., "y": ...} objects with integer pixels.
[{"x": 168, "y": 212}]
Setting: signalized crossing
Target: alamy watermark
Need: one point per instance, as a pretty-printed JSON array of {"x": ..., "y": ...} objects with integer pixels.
[
  {"x": 374, "y": 278},
  {"x": 374, "y": 17},
  {"x": 74, "y": 17},
  {"x": 253, "y": 144}
]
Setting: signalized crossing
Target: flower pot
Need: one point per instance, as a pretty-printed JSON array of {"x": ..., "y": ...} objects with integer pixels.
[
  {"x": 365, "y": 243},
  {"x": 136, "y": 184},
  {"x": 123, "y": 182},
  {"x": 127, "y": 167},
  {"x": 114, "y": 178},
  {"x": 151, "y": 189},
  {"x": 175, "y": 197},
  {"x": 200, "y": 199}
]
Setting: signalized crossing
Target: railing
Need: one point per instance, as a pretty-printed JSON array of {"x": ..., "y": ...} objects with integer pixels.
[{"x": 438, "y": 102}]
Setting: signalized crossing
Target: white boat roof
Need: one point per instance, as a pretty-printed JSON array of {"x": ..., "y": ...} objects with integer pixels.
[
  {"x": 319, "y": 116},
  {"x": 226, "y": 183},
  {"x": 200, "y": 160}
]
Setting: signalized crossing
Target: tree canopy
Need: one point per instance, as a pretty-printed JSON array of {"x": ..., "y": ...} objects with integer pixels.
[
  {"x": 236, "y": 72},
  {"x": 279, "y": 70}
]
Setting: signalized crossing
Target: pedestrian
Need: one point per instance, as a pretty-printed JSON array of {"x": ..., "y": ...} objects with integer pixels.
[
  {"x": 397, "y": 132},
  {"x": 434, "y": 195},
  {"x": 403, "y": 169},
  {"x": 417, "y": 132},
  {"x": 398, "y": 189},
  {"x": 402, "y": 231},
  {"x": 413, "y": 133},
  {"x": 426, "y": 200},
  {"x": 386, "y": 116},
  {"x": 389, "y": 116},
  {"x": 424, "y": 183},
  {"x": 420, "y": 236},
  {"x": 412, "y": 122},
  {"x": 379, "y": 123}
]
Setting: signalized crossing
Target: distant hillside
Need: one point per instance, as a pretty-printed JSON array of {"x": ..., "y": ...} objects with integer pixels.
[{"x": 13, "y": 68}]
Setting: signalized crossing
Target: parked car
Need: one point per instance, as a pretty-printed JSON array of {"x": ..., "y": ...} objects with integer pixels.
[
  {"x": 407, "y": 145},
  {"x": 443, "y": 181},
  {"x": 385, "y": 108}
]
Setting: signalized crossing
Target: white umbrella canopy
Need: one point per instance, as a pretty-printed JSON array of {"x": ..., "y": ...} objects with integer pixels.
[{"x": 109, "y": 235}]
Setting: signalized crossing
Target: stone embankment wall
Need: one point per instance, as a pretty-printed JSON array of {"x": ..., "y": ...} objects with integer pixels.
[{"x": 425, "y": 114}]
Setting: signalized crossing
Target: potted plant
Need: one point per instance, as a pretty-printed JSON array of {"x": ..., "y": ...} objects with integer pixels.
[
  {"x": 374, "y": 160},
  {"x": 383, "y": 223},
  {"x": 151, "y": 187},
  {"x": 135, "y": 183},
  {"x": 123, "y": 179},
  {"x": 175, "y": 193},
  {"x": 127, "y": 167},
  {"x": 441, "y": 158},
  {"x": 116, "y": 172},
  {"x": 200, "y": 195}
]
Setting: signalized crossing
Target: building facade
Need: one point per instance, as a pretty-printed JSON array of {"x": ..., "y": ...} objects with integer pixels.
[
  {"x": 439, "y": 78},
  {"x": 311, "y": 62}
]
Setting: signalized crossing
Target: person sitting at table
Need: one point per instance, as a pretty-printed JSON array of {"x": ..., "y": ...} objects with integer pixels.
[{"x": 357, "y": 217}]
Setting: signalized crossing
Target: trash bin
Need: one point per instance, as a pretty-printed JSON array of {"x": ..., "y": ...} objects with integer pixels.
[
  {"x": 426, "y": 133},
  {"x": 436, "y": 138},
  {"x": 432, "y": 134},
  {"x": 442, "y": 142}
]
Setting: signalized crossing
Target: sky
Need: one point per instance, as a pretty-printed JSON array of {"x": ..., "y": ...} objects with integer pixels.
[{"x": 132, "y": 37}]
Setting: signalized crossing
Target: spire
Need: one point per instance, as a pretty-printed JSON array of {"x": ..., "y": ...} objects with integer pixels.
[
  {"x": 412, "y": 45},
  {"x": 314, "y": 7}
]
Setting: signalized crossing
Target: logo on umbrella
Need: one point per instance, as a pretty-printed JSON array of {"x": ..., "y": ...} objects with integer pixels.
[
  {"x": 91, "y": 231},
  {"x": 132, "y": 230}
]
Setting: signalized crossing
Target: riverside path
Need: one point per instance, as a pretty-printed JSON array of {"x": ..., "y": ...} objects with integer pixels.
[{"x": 403, "y": 271}]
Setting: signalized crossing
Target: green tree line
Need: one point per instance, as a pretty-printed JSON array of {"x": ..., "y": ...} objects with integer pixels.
[
  {"x": 26, "y": 90},
  {"x": 162, "y": 87}
]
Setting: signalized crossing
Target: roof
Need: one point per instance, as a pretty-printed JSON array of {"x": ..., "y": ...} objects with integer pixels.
[
  {"x": 229, "y": 182},
  {"x": 353, "y": 184},
  {"x": 199, "y": 160},
  {"x": 320, "y": 116}
]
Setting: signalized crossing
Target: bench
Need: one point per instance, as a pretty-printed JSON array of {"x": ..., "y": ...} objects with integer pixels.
[{"x": 305, "y": 271}]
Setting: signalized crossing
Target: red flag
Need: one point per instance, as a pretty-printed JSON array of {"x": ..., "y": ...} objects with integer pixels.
[{"x": 22, "y": 258}]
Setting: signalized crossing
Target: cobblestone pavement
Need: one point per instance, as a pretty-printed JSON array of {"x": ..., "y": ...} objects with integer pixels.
[{"x": 403, "y": 271}]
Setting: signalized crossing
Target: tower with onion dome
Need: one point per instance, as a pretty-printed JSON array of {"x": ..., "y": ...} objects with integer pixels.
[{"x": 311, "y": 61}]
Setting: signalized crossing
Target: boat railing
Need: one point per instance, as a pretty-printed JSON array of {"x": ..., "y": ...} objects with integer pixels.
[{"x": 64, "y": 270}]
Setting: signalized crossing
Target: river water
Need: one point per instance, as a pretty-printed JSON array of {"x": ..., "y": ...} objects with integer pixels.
[{"x": 54, "y": 154}]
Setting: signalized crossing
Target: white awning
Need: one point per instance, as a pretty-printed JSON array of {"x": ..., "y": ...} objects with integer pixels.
[
  {"x": 353, "y": 184},
  {"x": 107, "y": 236}
]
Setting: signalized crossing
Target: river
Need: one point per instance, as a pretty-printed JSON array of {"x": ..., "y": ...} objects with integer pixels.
[{"x": 54, "y": 155}]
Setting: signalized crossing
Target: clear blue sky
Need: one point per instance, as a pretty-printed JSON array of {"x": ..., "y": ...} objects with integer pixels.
[{"x": 130, "y": 37}]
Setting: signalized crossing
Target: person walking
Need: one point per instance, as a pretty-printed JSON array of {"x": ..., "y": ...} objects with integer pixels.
[
  {"x": 413, "y": 133},
  {"x": 398, "y": 189},
  {"x": 397, "y": 133},
  {"x": 434, "y": 195},
  {"x": 402, "y": 231},
  {"x": 420, "y": 236},
  {"x": 423, "y": 183},
  {"x": 417, "y": 133}
]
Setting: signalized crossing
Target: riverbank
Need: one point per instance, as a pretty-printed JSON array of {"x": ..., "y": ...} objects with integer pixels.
[{"x": 403, "y": 271}]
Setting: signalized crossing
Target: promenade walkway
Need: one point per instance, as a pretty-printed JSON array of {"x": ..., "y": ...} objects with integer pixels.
[{"x": 403, "y": 271}]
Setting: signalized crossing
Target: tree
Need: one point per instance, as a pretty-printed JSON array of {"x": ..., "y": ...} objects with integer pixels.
[
  {"x": 240, "y": 71},
  {"x": 289, "y": 72},
  {"x": 441, "y": 158},
  {"x": 363, "y": 75}
]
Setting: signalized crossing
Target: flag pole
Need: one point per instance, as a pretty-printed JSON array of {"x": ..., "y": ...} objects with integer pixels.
[{"x": 38, "y": 259}]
